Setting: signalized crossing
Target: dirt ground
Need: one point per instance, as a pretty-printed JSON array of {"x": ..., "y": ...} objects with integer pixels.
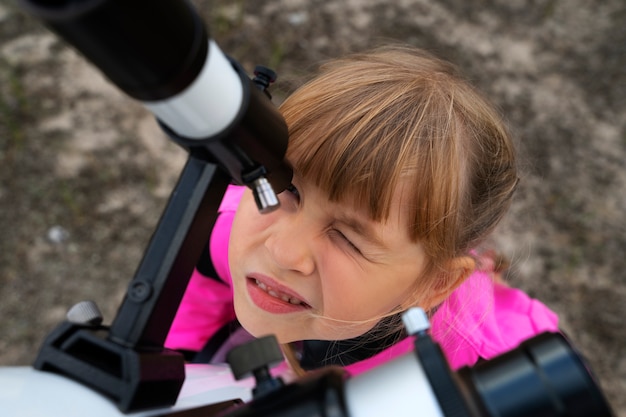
[{"x": 85, "y": 172}]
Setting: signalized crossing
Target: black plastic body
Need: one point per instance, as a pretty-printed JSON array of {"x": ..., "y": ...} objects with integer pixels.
[
  {"x": 543, "y": 377},
  {"x": 257, "y": 138},
  {"x": 318, "y": 394},
  {"x": 154, "y": 294},
  {"x": 441, "y": 378},
  {"x": 134, "y": 370}
]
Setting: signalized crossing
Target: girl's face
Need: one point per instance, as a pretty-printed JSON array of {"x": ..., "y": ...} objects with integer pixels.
[{"x": 315, "y": 269}]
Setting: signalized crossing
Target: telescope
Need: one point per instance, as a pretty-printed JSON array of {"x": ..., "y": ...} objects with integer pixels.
[
  {"x": 159, "y": 53},
  {"x": 544, "y": 376}
]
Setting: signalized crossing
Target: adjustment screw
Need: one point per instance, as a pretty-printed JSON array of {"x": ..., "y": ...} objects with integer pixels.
[
  {"x": 415, "y": 321},
  {"x": 263, "y": 77},
  {"x": 85, "y": 313}
]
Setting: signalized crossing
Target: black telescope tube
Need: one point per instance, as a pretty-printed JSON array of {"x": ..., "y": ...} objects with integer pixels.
[
  {"x": 150, "y": 49},
  {"x": 159, "y": 52},
  {"x": 543, "y": 377}
]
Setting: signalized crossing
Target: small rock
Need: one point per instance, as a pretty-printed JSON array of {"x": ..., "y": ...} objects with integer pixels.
[{"x": 57, "y": 234}]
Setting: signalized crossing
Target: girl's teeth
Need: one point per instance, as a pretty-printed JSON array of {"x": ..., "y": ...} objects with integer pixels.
[{"x": 273, "y": 293}]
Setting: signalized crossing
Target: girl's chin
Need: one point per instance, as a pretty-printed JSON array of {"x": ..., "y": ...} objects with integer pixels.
[
  {"x": 259, "y": 330},
  {"x": 289, "y": 328}
]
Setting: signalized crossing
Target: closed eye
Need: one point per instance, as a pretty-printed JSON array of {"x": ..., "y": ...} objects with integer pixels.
[{"x": 345, "y": 240}]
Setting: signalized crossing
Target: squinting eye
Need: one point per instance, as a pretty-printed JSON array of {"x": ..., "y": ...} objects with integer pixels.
[{"x": 347, "y": 241}]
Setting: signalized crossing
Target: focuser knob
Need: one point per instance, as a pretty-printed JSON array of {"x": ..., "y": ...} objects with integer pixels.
[
  {"x": 256, "y": 358},
  {"x": 263, "y": 78}
]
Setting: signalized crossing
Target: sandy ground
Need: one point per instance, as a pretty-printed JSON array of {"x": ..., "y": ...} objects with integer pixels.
[{"x": 85, "y": 172}]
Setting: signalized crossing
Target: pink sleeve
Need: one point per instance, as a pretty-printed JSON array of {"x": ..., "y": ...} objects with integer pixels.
[
  {"x": 204, "y": 309},
  {"x": 207, "y": 304},
  {"x": 480, "y": 319},
  {"x": 221, "y": 232}
]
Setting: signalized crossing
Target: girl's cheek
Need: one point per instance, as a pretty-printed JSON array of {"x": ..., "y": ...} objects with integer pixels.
[{"x": 248, "y": 214}]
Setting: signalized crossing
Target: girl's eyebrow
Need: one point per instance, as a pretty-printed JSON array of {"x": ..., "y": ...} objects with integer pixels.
[{"x": 363, "y": 229}]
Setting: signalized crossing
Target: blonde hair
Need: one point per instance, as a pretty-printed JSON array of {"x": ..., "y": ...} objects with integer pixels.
[{"x": 370, "y": 120}]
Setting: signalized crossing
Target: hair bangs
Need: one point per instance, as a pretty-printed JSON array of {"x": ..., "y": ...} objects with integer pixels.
[
  {"x": 365, "y": 145},
  {"x": 348, "y": 168},
  {"x": 367, "y": 126}
]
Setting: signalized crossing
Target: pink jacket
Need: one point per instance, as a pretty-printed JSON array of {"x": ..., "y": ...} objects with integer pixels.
[{"x": 480, "y": 319}]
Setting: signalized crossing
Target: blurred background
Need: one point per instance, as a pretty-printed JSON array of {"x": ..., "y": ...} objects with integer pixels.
[{"x": 85, "y": 171}]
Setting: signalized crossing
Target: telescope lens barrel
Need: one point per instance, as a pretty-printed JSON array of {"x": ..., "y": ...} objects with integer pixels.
[
  {"x": 150, "y": 49},
  {"x": 544, "y": 376},
  {"x": 159, "y": 52}
]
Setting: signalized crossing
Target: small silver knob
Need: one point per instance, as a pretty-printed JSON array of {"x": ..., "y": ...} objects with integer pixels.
[
  {"x": 85, "y": 313},
  {"x": 415, "y": 321},
  {"x": 264, "y": 195}
]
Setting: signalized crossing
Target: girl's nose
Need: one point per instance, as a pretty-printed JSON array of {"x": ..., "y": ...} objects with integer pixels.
[{"x": 289, "y": 247}]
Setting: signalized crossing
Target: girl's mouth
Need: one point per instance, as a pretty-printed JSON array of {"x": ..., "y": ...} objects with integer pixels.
[
  {"x": 274, "y": 299},
  {"x": 277, "y": 294}
]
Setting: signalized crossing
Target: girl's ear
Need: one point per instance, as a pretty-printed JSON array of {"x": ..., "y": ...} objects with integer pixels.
[{"x": 455, "y": 272}]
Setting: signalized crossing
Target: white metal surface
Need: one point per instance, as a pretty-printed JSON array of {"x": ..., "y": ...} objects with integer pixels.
[
  {"x": 197, "y": 114},
  {"x": 26, "y": 392},
  {"x": 398, "y": 388}
]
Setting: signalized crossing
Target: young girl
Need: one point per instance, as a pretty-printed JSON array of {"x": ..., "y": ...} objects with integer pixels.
[{"x": 401, "y": 169}]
